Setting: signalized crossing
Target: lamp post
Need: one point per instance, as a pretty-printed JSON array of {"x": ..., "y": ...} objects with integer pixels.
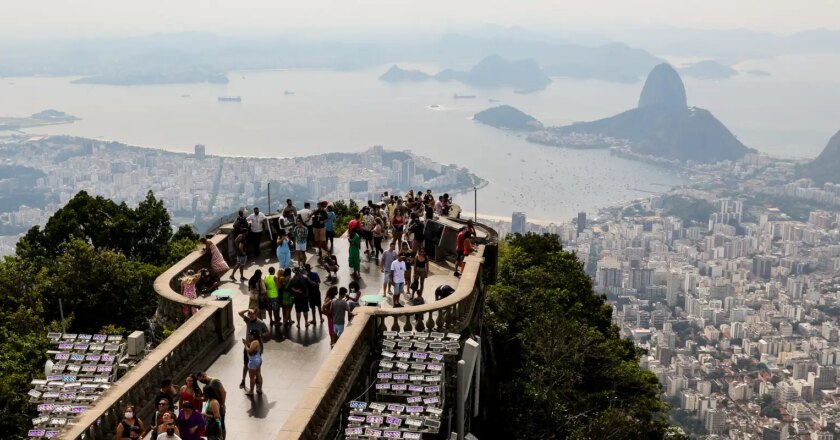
[
  {"x": 268, "y": 211},
  {"x": 475, "y": 204}
]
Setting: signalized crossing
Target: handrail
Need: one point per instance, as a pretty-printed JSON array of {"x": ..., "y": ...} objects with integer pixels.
[{"x": 314, "y": 415}]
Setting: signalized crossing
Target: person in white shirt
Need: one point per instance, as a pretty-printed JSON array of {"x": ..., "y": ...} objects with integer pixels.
[
  {"x": 305, "y": 214},
  {"x": 398, "y": 269},
  {"x": 256, "y": 224}
]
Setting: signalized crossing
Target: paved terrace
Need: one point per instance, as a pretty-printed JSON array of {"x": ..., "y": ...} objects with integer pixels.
[
  {"x": 306, "y": 383},
  {"x": 290, "y": 365}
]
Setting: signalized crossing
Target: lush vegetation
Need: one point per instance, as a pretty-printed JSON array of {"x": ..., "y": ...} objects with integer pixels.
[
  {"x": 560, "y": 367},
  {"x": 100, "y": 259},
  {"x": 344, "y": 212},
  {"x": 689, "y": 210}
]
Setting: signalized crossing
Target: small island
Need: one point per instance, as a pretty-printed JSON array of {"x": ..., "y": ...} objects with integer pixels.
[
  {"x": 40, "y": 119},
  {"x": 154, "y": 78},
  {"x": 508, "y": 118},
  {"x": 708, "y": 69},
  {"x": 492, "y": 71}
]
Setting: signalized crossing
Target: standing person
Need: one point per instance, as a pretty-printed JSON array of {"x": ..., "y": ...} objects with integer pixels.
[
  {"x": 168, "y": 393},
  {"x": 354, "y": 260},
  {"x": 339, "y": 312},
  {"x": 204, "y": 378},
  {"x": 459, "y": 244},
  {"x": 273, "y": 295},
  {"x": 219, "y": 388},
  {"x": 188, "y": 290},
  {"x": 368, "y": 223},
  {"x": 254, "y": 348},
  {"x": 162, "y": 407},
  {"x": 397, "y": 225},
  {"x": 289, "y": 211},
  {"x": 212, "y": 415},
  {"x": 305, "y": 214},
  {"x": 326, "y": 309},
  {"x": 378, "y": 234},
  {"x": 241, "y": 258},
  {"x": 421, "y": 270},
  {"x": 251, "y": 324},
  {"x": 299, "y": 233},
  {"x": 429, "y": 207},
  {"x": 240, "y": 224},
  {"x": 319, "y": 232},
  {"x": 257, "y": 299},
  {"x": 284, "y": 251},
  {"x": 439, "y": 207},
  {"x": 190, "y": 422},
  {"x": 415, "y": 230},
  {"x": 467, "y": 249},
  {"x": 131, "y": 426},
  {"x": 300, "y": 291},
  {"x": 329, "y": 227},
  {"x": 190, "y": 392},
  {"x": 256, "y": 222},
  {"x": 408, "y": 259},
  {"x": 286, "y": 297},
  {"x": 398, "y": 269},
  {"x": 314, "y": 292},
  {"x": 388, "y": 257}
]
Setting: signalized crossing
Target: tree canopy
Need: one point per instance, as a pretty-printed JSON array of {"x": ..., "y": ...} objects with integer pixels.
[
  {"x": 561, "y": 368},
  {"x": 100, "y": 259}
]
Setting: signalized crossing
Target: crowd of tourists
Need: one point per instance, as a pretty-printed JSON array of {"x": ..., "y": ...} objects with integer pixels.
[
  {"x": 390, "y": 235},
  {"x": 192, "y": 411}
]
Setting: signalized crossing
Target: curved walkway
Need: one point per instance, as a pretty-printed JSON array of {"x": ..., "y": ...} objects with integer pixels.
[{"x": 290, "y": 365}]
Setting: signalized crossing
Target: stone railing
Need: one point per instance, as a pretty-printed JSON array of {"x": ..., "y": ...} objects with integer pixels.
[
  {"x": 317, "y": 414},
  {"x": 194, "y": 346}
]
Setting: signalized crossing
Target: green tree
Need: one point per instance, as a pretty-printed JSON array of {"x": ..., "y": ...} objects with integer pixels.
[
  {"x": 97, "y": 288},
  {"x": 185, "y": 232},
  {"x": 561, "y": 368},
  {"x": 344, "y": 212}
]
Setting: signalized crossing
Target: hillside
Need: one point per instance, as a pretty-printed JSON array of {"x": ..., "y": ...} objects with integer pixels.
[
  {"x": 826, "y": 167},
  {"x": 663, "y": 126},
  {"x": 709, "y": 69},
  {"x": 397, "y": 74},
  {"x": 509, "y": 118}
]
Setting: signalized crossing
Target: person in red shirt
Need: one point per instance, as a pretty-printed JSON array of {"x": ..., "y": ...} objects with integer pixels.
[{"x": 459, "y": 245}]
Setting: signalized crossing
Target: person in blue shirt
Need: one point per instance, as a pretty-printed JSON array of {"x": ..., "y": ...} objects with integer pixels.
[{"x": 330, "y": 226}]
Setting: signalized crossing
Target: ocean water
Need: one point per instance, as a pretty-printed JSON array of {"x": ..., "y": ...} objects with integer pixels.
[{"x": 351, "y": 111}]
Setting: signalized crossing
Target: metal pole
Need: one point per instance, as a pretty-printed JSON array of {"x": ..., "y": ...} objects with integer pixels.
[
  {"x": 461, "y": 399},
  {"x": 268, "y": 211},
  {"x": 61, "y": 311},
  {"x": 475, "y": 204},
  {"x": 476, "y": 378}
]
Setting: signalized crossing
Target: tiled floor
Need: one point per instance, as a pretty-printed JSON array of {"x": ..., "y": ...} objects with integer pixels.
[{"x": 289, "y": 365}]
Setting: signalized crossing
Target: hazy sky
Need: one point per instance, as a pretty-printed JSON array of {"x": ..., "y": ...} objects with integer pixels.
[{"x": 34, "y": 18}]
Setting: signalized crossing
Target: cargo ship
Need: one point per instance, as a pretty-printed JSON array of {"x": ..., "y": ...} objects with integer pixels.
[
  {"x": 230, "y": 99},
  {"x": 457, "y": 96}
]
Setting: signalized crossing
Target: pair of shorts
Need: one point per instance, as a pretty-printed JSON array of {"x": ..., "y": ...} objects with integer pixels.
[
  {"x": 241, "y": 260},
  {"x": 330, "y": 234},
  {"x": 320, "y": 234},
  {"x": 302, "y": 304},
  {"x": 315, "y": 303},
  {"x": 367, "y": 235},
  {"x": 300, "y": 246},
  {"x": 388, "y": 278},
  {"x": 338, "y": 329},
  {"x": 274, "y": 304},
  {"x": 398, "y": 288},
  {"x": 254, "y": 364}
]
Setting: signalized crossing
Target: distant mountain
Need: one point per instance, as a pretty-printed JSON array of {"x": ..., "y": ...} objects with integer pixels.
[
  {"x": 492, "y": 71},
  {"x": 663, "y": 126},
  {"x": 509, "y": 118},
  {"x": 396, "y": 74},
  {"x": 495, "y": 71},
  {"x": 826, "y": 167},
  {"x": 709, "y": 69}
]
